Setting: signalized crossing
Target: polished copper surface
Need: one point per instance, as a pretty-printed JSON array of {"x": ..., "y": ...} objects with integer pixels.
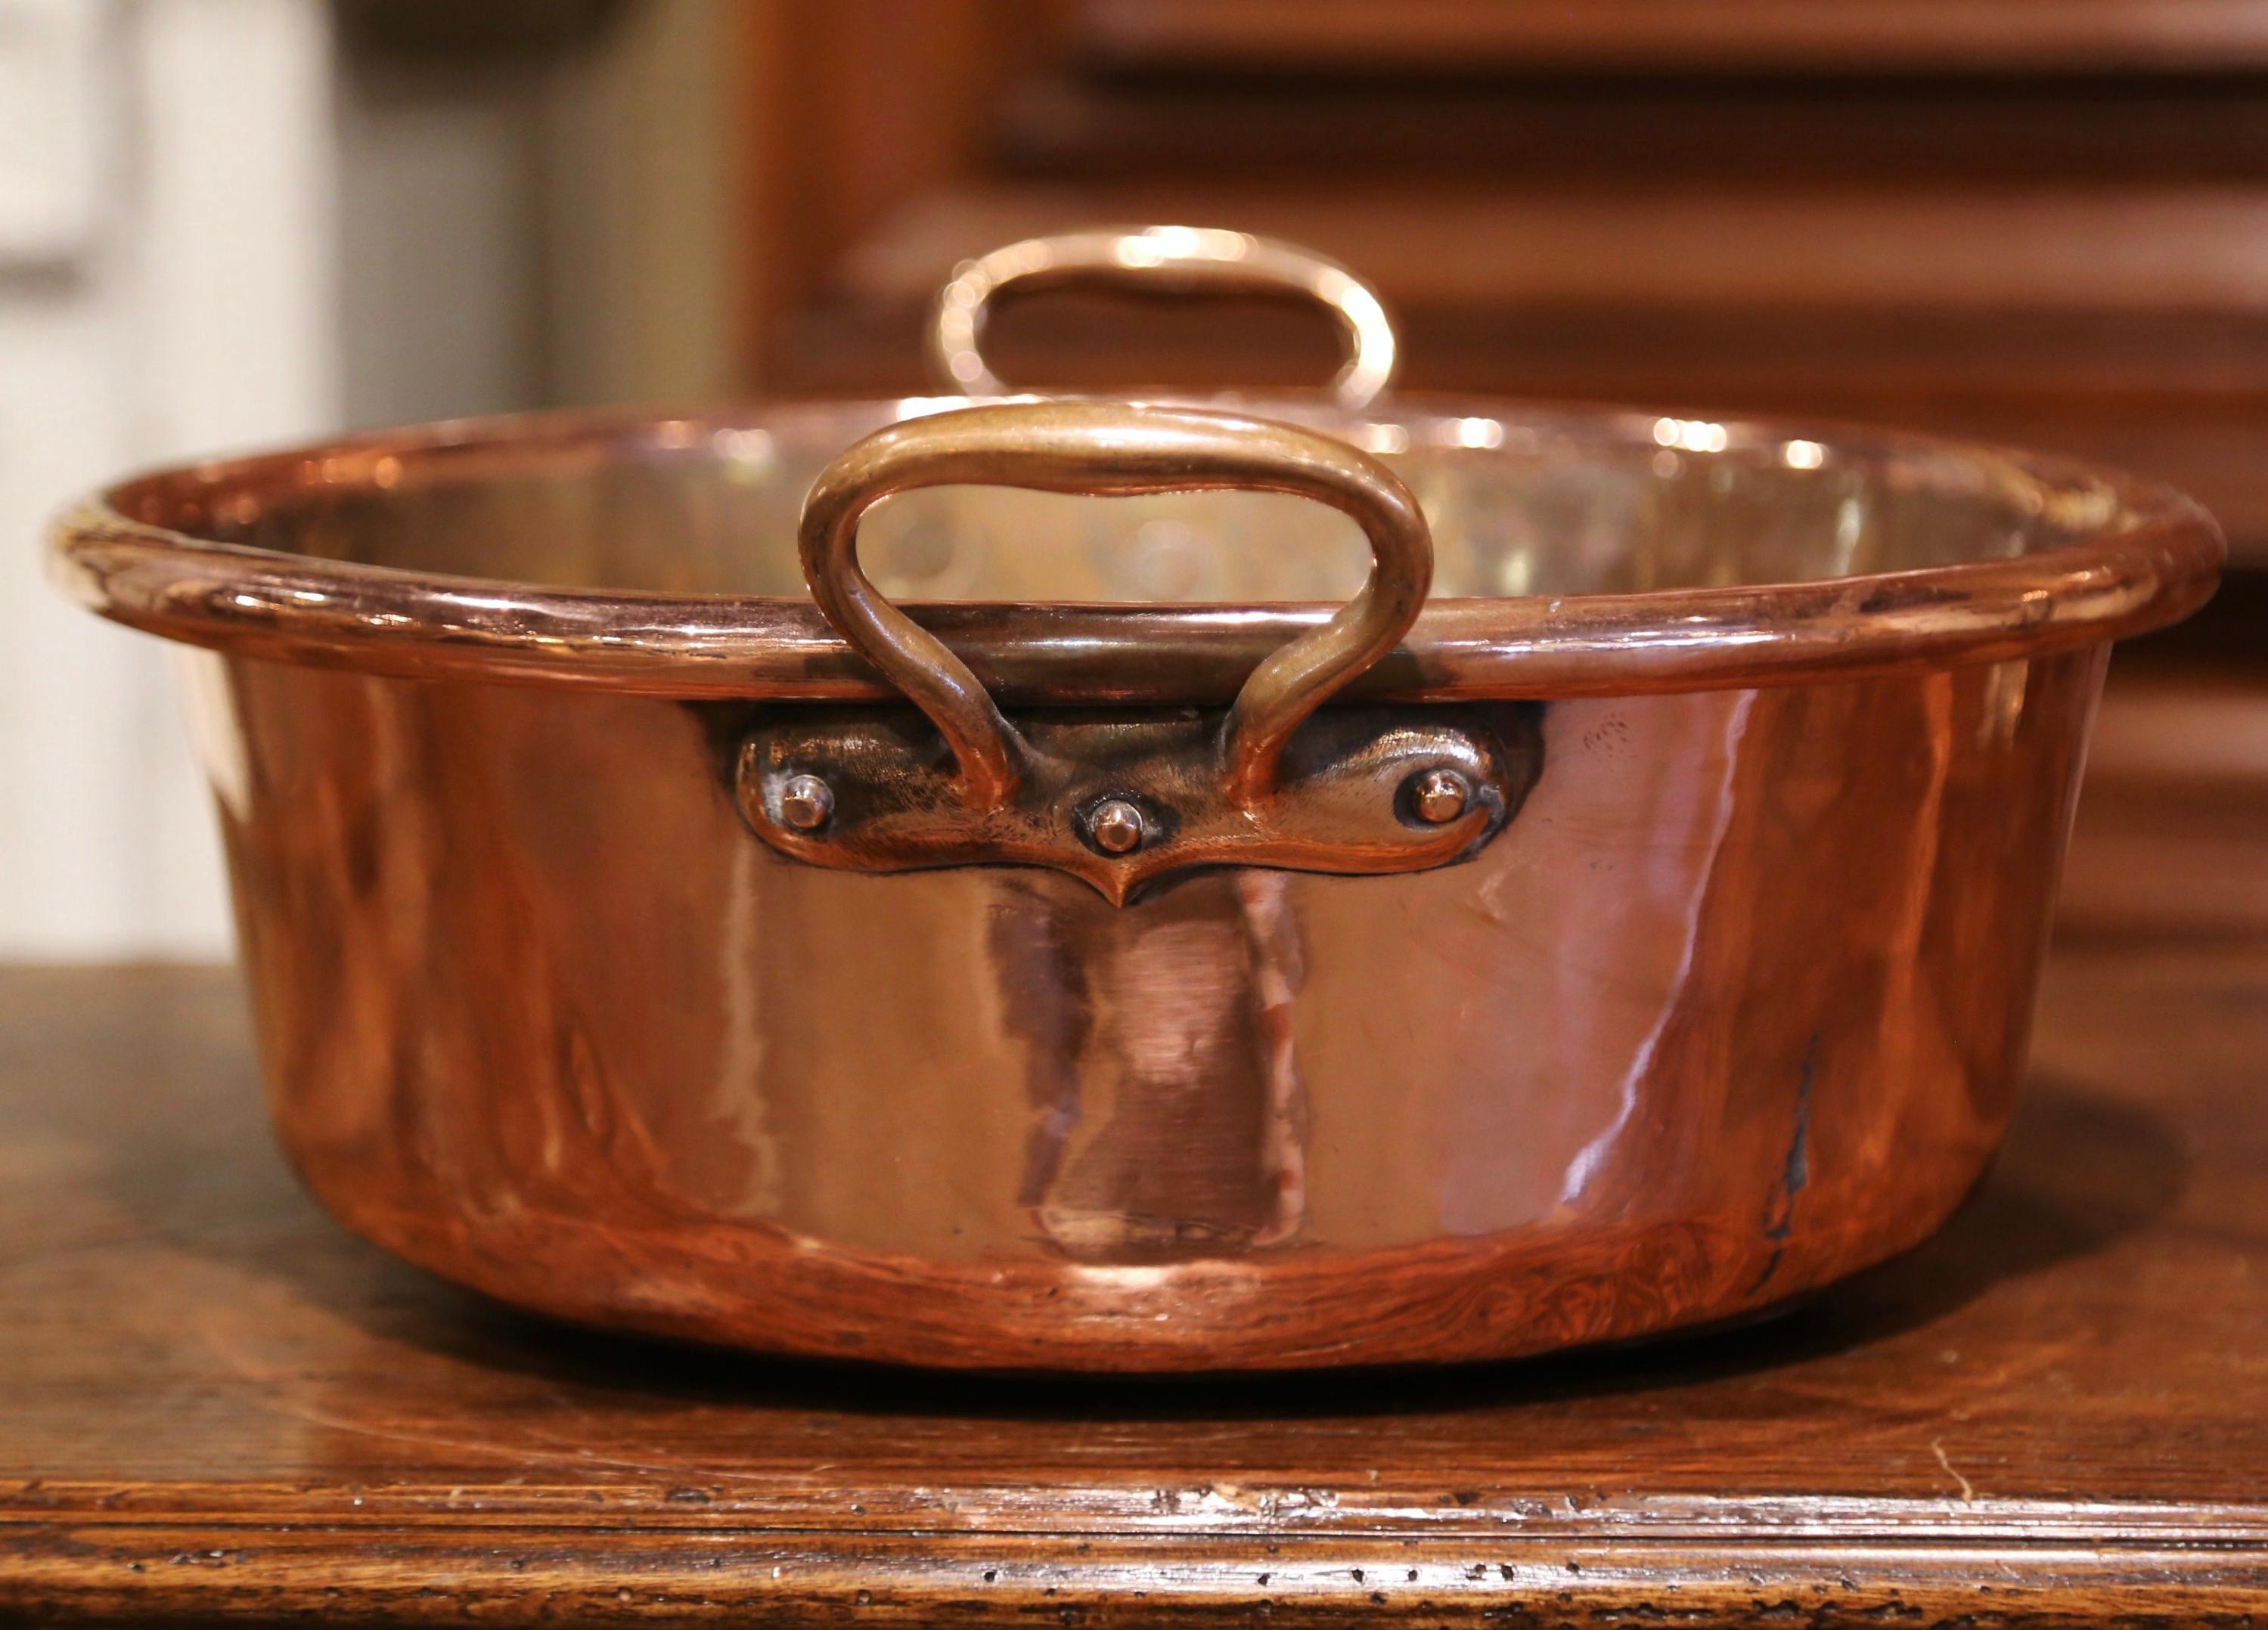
[
  {"x": 1732, "y": 1001},
  {"x": 1737, "y": 1004}
]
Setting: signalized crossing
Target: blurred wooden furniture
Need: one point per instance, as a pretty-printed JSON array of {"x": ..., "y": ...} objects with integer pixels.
[
  {"x": 2172, "y": 833},
  {"x": 2034, "y": 221},
  {"x": 217, "y": 1406}
]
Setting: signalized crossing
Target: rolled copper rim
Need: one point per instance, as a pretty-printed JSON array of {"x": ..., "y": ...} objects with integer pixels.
[{"x": 132, "y": 553}]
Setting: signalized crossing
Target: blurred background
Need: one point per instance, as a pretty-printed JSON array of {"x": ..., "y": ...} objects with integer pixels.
[{"x": 226, "y": 223}]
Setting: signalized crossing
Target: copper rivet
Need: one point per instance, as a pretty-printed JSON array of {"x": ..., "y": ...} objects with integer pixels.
[
  {"x": 1116, "y": 826},
  {"x": 805, "y": 803},
  {"x": 1439, "y": 795}
]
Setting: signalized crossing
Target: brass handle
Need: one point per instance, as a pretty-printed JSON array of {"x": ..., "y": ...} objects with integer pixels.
[
  {"x": 1116, "y": 450},
  {"x": 1165, "y": 259}
]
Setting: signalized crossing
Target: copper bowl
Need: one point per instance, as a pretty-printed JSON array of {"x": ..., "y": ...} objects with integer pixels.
[{"x": 1165, "y": 945}]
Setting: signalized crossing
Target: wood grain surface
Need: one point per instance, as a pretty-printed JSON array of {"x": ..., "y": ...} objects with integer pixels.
[{"x": 215, "y": 1405}]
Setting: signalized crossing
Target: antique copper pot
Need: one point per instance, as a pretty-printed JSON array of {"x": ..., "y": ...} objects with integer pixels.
[{"x": 1073, "y": 941}]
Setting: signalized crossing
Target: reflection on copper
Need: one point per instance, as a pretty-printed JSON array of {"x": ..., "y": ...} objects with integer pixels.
[{"x": 1279, "y": 968}]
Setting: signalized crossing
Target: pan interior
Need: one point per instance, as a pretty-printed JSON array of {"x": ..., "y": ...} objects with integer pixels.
[{"x": 1529, "y": 504}]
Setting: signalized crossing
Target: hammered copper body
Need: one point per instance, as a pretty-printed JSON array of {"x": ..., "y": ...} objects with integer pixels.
[{"x": 1728, "y": 999}]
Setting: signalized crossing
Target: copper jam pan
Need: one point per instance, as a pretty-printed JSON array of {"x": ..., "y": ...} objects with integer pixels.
[{"x": 1316, "y": 879}]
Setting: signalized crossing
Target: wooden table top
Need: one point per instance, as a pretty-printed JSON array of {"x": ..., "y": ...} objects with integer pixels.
[{"x": 216, "y": 1404}]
